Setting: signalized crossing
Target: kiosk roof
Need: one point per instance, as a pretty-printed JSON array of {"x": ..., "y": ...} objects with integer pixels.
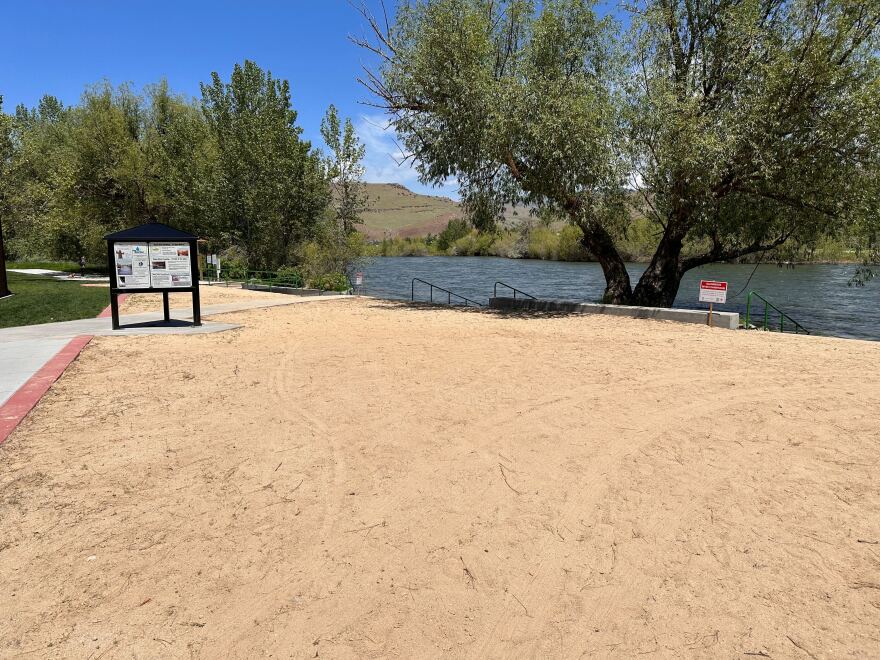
[{"x": 151, "y": 231}]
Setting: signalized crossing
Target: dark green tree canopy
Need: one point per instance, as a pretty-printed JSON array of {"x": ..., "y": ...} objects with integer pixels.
[
  {"x": 271, "y": 184},
  {"x": 232, "y": 169}
]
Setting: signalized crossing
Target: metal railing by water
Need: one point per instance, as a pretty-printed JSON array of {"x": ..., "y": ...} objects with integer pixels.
[
  {"x": 767, "y": 307},
  {"x": 514, "y": 289},
  {"x": 449, "y": 294},
  {"x": 265, "y": 277}
]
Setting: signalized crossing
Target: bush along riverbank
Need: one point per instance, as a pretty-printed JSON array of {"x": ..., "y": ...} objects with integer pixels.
[{"x": 563, "y": 242}]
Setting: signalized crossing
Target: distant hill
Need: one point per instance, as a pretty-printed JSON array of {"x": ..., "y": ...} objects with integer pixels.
[{"x": 397, "y": 211}]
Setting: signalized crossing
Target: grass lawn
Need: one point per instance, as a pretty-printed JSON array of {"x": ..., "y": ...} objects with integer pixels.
[{"x": 38, "y": 299}]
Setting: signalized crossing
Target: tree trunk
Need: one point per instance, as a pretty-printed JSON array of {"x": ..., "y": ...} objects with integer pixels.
[
  {"x": 618, "y": 289},
  {"x": 659, "y": 283},
  {"x": 4, "y": 283}
]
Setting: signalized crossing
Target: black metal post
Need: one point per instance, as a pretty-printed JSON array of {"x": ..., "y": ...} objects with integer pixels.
[
  {"x": 114, "y": 310},
  {"x": 114, "y": 303},
  {"x": 165, "y": 307},
  {"x": 197, "y": 305}
]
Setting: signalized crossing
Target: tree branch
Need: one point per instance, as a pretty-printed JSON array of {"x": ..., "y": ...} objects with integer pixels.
[{"x": 717, "y": 253}]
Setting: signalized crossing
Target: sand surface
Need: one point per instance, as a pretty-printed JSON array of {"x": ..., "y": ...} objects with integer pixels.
[
  {"x": 353, "y": 478},
  {"x": 208, "y": 295}
]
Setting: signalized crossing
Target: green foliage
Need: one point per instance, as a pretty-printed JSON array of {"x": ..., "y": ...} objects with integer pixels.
[
  {"x": 756, "y": 132},
  {"x": 271, "y": 188},
  {"x": 743, "y": 125},
  {"x": 290, "y": 276},
  {"x": 232, "y": 169},
  {"x": 510, "y": 244},
  {"x": 571, "y": 247},
  {"x": 543, "y": 243},
  {"x": 181, "y": 172},
  {"x": 346, "y": 170},
  {"x": 233, "y": 263},
  {"x": 330, "y": 282},
  {"x": 6, "y": 188},
  {"x": 402, "y": 247},
  {"x": 335, "y": 254},
  {"x": 474, "y": 244},
  {"x": 455, "y": 229}
]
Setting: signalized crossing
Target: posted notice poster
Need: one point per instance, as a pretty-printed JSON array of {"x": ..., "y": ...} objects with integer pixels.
[
  {"x": 170, "y": 265},
  {"x": 713, "y": 292},
  {"x": 132, "y": 263}
]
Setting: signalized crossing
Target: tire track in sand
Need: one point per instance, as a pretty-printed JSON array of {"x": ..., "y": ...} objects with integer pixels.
[{"x": 539, "y": 593}]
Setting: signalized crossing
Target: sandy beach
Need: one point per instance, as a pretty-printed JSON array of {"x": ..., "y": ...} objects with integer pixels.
[
  {"x": 358, "y": 478},
  {"x": 217, "y": 294}
]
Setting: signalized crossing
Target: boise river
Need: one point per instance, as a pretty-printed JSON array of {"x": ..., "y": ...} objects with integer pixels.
[{"x": 816, "y": 296}]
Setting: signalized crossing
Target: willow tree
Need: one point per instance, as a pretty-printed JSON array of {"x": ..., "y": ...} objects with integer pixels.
[
  {"x": 751, "y": 123},
  {"x": 742, "y": 122}
]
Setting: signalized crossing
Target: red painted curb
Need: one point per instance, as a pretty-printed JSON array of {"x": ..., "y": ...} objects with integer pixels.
[
  {"x": 27, "y": 396},
  {"x": 105, "y": 313}
]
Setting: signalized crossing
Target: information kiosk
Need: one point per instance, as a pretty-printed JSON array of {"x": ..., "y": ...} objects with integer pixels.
[{"x": 153, "y": 258}]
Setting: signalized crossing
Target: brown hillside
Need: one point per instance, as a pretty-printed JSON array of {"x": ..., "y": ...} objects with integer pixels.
[{"x": 397, "y": 211}]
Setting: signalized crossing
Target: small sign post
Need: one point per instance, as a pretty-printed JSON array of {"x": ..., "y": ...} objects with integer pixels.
[{"x": 712, "y": 292}]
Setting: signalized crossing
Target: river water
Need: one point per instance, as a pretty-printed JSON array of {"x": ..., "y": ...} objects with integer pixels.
[{"x": 817, "y": 296}]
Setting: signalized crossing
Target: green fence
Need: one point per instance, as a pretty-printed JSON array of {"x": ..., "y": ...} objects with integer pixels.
[
  {"x": 267, "y": 277},
  {"x": 286, "y": 277},
  {"x": 766, "y": 322}
]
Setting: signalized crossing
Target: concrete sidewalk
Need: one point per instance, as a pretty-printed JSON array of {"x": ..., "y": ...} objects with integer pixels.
[
  {"x": 61, "y": 275},
  {"x": 25, "y": 349},
  {"x": 19, "y": 360}
]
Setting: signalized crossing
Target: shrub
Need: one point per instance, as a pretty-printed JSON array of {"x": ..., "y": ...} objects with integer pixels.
[
  {"x": 474, "y": 244},
  {"x": 290, "y": 276},
  {"x": 330, "y": 282},
  {"x": 233, "y": 263},
  {"x": 334, "y": 252},
  {"x": 570, "y": 246},
  {"x": 455, "y": 229},
  {"x": 401, "y": 247},
  {"x": 636, "y": 241},
  {"x": 510, "y": 244},
  {"x": 543, "y": 243},
  {"x": 233, "y": 268}
]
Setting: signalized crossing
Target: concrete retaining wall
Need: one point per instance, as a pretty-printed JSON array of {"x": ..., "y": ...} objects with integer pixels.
[{"x": 727, "y": 320}]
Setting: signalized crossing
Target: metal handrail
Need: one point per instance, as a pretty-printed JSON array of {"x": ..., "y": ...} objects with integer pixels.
[
  {"x": 449, "y": 294},
  {"x": 267, "y": 277},
  {"x": 514, "y": 289},
  {"x": 767, "y": 305}
]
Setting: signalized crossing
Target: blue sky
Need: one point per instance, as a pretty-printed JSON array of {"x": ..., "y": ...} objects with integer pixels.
[{"x": 58, "y": 47}]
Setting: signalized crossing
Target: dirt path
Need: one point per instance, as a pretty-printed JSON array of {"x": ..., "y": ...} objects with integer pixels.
[{"x": 365, "y": 479}]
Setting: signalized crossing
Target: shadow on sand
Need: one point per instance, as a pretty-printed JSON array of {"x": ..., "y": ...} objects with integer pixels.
[{"x": 419, "y": 306}]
